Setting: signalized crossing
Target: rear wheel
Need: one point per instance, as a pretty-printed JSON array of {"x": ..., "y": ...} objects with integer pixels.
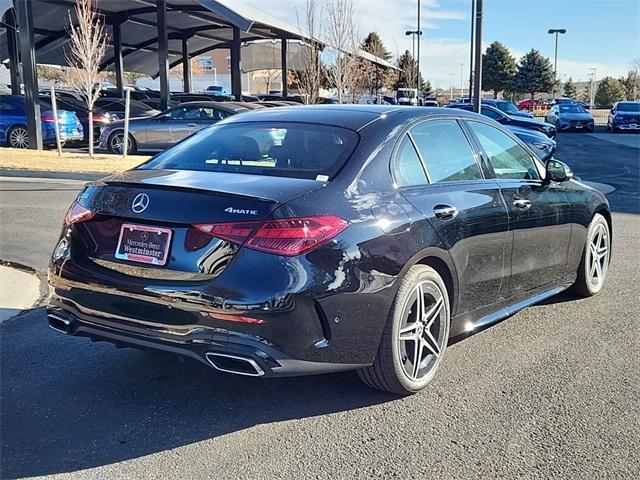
[
  {"x": 116, "y": 143},
  {"x": 594, "y": 264},
  {"x": 415, "y": 336},
  {"x": 18, "y": 137}
]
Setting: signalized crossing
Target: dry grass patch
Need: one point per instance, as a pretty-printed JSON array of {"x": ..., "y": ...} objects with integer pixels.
[{"x": 49, "y": 161}]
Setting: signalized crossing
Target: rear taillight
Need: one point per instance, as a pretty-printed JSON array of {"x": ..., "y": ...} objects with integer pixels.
[
  {"x": 289, "y": 236},
  {"x": 77, "y": 214},
  {"x": 102, "y": 118},
  {"x": 51, "y": 118}
]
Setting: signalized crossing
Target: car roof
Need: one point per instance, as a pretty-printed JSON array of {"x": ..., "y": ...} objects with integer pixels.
[
  {"x": 227, "y": 106},
  {"x": 353, "y": 117}
]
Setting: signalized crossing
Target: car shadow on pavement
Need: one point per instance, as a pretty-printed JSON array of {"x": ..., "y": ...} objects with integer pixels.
[{"x": 69, "y": 404}]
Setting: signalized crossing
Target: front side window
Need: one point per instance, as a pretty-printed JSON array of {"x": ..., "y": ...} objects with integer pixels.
[
  {"x": 278, "y": 148},
  {"x": 487, "y": 112},
  {"x": 408, "y": 171},
  {"x": 507, "y": 158},
  {"x": 446, "y": 152}
]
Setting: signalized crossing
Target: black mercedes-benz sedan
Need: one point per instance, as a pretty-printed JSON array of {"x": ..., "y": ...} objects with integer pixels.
[{"x": 315, "y": 239}]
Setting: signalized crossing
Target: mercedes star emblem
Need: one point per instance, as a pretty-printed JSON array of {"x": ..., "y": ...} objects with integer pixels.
[{"x": 140, "y": 203}]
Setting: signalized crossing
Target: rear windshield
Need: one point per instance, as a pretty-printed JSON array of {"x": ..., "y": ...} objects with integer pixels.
[
  {"x": 281, "y": 149},
  {"x": 629, "y": 107}
]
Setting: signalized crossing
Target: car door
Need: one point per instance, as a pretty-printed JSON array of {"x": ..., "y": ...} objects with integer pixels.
[
  {"x": 465, "y": 209},
  {"x": 539, "y": 212}
]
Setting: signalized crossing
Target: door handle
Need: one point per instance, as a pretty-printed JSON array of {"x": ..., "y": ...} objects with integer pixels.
[
  {"x": 522, "y": 204},
  {"x": 445, "y": 211},
  {"x": 191, "y": 124}
]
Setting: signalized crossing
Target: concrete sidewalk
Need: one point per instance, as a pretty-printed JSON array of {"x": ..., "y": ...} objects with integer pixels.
[{"x": 19, "y": 291}]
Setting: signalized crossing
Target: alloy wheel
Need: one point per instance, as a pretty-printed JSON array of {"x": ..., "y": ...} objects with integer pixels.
[
  {"x": 117, "y": 143},
  {"x": 19, "y": 138},
  {"x": 421, "y": 336},
  {"x": 598, "y": 257}
]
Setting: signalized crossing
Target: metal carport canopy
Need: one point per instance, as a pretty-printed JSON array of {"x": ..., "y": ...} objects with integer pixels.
[{"x": 206, "y": 24}]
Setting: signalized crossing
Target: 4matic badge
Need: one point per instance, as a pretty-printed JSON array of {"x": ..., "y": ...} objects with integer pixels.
[{"x": 241, "y": 211}]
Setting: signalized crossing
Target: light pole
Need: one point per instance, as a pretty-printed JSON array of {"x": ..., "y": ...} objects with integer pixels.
[
  {"x": 415, "y": 69},
  {"x": 592, "y": 88},
  {"x": 461, "y": 81},
  {"x": 451, "y": 93},
  {"x": 556, "y": 31}
]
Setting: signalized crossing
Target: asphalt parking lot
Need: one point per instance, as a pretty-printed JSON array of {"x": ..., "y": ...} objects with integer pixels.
[{"x": 551, "y": 392}]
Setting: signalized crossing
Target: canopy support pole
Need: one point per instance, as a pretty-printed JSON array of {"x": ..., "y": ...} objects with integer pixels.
[
  {"x": 186, "y": 66},
  {"x": 29, "y": 73},
  {"x": 163, "y": 54},
  {"x": 117, "y": 56},
  {"x": 236, "y": 77},
  {"x": 285, "y": 68}
]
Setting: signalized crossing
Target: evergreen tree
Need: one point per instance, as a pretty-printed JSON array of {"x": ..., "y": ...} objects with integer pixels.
[
  {"x": 408, "y": 69},
  {"x": 570, "y": 90},
  {"x": 610, "y": 90},
  {"x": 374, "y": 77},
  {"x": 535, "y": 74},
  {"x": 498, "y": 68},
  {"x": 373, "y": 44}
]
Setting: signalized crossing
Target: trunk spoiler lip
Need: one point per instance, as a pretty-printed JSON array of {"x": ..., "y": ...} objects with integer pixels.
[{"x": 181, "y": 188}]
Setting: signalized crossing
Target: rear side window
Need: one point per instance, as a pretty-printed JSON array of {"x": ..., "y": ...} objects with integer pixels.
[
  {"x": 446, "y": 151},
  {"x": 507, "y": 158},
  {"x": 282, "y": 149},
  {"x": 408, "y": 171}
]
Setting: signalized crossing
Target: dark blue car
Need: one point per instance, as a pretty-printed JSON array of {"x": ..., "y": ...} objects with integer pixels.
[
  {"x": 13, "y": 124},
  {"x": 624, "y": 116}
]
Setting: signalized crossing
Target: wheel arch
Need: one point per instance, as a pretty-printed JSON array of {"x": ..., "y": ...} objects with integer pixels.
[{"x": 441, "y": 262}]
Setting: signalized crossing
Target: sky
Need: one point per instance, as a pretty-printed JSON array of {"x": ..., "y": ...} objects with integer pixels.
[{"x": 601, "y": 34}]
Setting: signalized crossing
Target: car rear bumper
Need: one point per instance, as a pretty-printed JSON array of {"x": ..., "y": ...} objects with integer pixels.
[{"x": 239, "y": 354}]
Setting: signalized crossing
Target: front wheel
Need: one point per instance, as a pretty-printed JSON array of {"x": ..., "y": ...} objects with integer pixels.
[
  {"x": 415, "y": 337},
  {"x": 594, "y": 263}
]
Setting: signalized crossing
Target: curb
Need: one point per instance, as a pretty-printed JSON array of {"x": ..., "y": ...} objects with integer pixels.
[{"x": 43, "y": 286}]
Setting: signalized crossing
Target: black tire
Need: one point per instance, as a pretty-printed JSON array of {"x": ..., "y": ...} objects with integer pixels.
[
  {"x": 111, "y": 143},
  {"x": 18, "y": 137},
  {"x": 388, "y": 372},
  {"x": 586, "y": 284}
]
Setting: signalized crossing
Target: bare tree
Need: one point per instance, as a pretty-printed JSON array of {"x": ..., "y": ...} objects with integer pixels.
[
  {"x": 311, "y": 73},
  {"x": 88, "y": 45},
  {"x": 342, "y": 38}
]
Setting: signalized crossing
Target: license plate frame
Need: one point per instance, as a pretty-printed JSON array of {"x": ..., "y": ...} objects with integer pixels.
[{"x": 150, "y": 251}]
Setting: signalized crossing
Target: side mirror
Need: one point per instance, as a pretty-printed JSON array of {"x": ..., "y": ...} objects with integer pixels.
[{"x": 557, "y": 171}]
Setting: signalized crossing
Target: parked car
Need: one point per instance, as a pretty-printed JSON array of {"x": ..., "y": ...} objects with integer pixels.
[
  {"x": 543, "y": 146},
  {"x": 157, "y": 133},
  {"x": 115, "y": 106},
  {"x": 100, "y": 117},
  {"x": 562, "y": 101},
  {"x": 200, "y": 97},
  {"x": 13, "y": 124},
  {"x": 538, "y": 103},
  {"x": 624, "y": 116},
  {"x": 63, "y": 94},
  {"x": 510, "y": 121},
  {"x": 217, "y": 90},
  {"x": 279, "y": 97},
  {"x": 239, "y": 248},
  {"x": 507, "y": 107},
  {"x": 570, "y": 116}
]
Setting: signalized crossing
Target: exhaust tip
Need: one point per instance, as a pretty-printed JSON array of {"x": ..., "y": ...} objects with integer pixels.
[
  {"x": 234, "y": 364},
  {"x": 59, "y": 324}
]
